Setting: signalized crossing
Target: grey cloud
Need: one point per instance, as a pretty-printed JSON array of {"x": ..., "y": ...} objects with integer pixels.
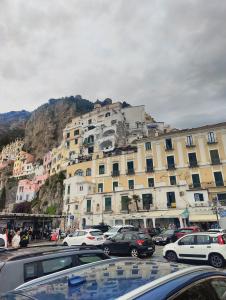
[{"x": 168, "y": 55}]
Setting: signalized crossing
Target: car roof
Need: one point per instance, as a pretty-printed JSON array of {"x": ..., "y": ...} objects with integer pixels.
[
  {"x": 29, "y": 252},
  {"x": 119, "y": 226},
  {"x": 108, "y": 279}
]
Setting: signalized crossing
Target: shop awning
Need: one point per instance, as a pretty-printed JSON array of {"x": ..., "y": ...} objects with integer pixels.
[{"x": 202, "y": 218}]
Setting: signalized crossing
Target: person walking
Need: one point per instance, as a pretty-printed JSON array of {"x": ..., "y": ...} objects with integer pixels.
[
  {"x": 16, "y": 239},
  {"x": 24, "y": 239}
]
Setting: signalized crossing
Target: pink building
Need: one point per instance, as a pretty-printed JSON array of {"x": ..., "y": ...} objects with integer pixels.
[
  {"x": 47, "y": 162},
  {"x": 27, "y": 189}
]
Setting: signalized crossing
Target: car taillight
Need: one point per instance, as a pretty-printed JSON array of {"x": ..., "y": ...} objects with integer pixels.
[
  {"x": 220, "y": 240},
  {"x": 91, "y": 237},
  {"x": 140, "y": 242}
]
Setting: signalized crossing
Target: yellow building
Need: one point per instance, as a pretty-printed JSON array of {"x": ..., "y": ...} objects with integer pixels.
[
  {"x": 169, "y": 173},
  {"x": 59, "y": 157}
]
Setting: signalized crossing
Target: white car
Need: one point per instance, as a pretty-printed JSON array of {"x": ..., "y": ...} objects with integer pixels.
[
  {"x": 84, "y": 237},
  {"x": 117, "y": 229},
  {"x": 3, "y": 241},
  {"x": 202, "y": 246}
]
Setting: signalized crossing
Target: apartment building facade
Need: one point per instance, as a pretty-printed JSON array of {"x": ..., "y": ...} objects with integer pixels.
[{"x": 171, "y": 178}]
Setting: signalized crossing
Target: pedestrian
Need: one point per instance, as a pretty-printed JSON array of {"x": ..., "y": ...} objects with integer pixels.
[
  {"x": 24, "y": 239},
  {"x": 16, "y": 239}
]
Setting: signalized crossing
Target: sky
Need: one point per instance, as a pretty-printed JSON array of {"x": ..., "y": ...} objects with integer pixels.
[{"x": 168, "y": 55}]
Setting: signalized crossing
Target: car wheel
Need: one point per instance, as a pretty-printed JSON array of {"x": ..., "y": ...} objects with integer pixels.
[
  {"x": 65, "y": 244},
  {"x": 171, "y": 256},
  {"x": 216, "y": 260},
  {"x": 134, "y": 252},
  {"x": 107, "y": 250}
]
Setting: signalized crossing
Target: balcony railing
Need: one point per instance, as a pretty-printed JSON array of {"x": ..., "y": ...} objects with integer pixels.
[
  {"x": 190, "y": 145},
  {"x": 149, "y": 170},
  {"x": 168, "y": 148},
  {"x": 212, "y": 142},
  {"x": 130, "y": 172},
  {"x": 115, "y": 173},
  {"x": 193, "y": 164},
  {"x": 171, "y": 167},
  {"x": 216, "y": 162}
]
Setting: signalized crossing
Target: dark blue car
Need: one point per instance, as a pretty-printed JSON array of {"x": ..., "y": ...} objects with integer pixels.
[{"x": 127, "y": 278}]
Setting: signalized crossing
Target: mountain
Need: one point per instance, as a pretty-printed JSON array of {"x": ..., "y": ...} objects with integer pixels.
[
  {"x": 12, "y": 126},
  {"x": 44, "y": 129}
]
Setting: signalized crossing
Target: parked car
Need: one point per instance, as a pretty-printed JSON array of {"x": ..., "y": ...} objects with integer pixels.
[
  {"x": 186, "y": 230},
  {"x": 3, "y": 241},
  {"x": 166, "y": 237},
  {"x": 203, "y": 246},
  {"x": 22, "y": 265},
  {"x": 118, "y": 229},
  {"x": 127, "y": 279},
  {"x": 102, "y": 227},
  {"x": 84, "y": 237},
  {"x": 153, "y": 231},
  {"x": 130, "y": 243}
]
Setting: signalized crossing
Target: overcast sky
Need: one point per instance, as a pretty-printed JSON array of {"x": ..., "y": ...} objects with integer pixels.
[{"x": 168, "y": 55}]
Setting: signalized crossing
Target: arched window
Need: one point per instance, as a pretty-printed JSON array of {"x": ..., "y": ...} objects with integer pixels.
[
  {"x": 79, "y": 172},
  {"x": 88, "y": 172}
]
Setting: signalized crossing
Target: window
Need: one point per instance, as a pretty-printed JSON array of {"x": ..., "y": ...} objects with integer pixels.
[
  {"x": 192, "y": 159},
  {"x": 147, "y": 201},
  {"x": 88, "y": 172},
  {"x": 100, "y": 187},
  {"x": 222, "y": 198},
  {"x": 219, "y": 286},
  {"x": 148, "y": 146},
  {"x": 149, "y": 165},
  {"x": 107, "y": 114},
  {"x": 107, "y": 203},
  {"x": 189, "y": 140},
  {"x": 196, "y": 181},
  {"x": 89, "y": 258},
  {"x": 30, "y": 271},
  {"x": 118, "y": 237},
  {"x": 76, "y": 206},
  {"x": 81, "y": 188},
  {"x": 90, "y": 121},
  {"x": 198, "y": 197},
  {"x": 202, "y": 240},
  {"x": 188, "y": 240},
  {"x": 27, "y": 197},
  {"x": 130, "y": 167},
  {"x": 131, "y": 184},
  {"x": 171, "y": 200},
  {"x": 124, "y": 202},
  {"x": 76, "y": 132},
  {"x": 68, "y": 189},
  {"x": 68, "y": 135},
  {"x": 90, "y": 150},
  {"x": 218, "y": 179},
  {"x": 90, "y": 139},
  {"x": 88, "y": 205},
  {"x": 215, "y": 158},
  {"x": 76, "y": 141},
  {"x": 101, "y": 169},
  {"x": 211, "y": 137},
  {"x": 151, "y": 182},
  {"x": 169, "y": 145},
  {"x": 128, "y": 236},
  {"x": 56, "y": 264},
  {"x": 170, "y": 162},
  {"x": 173, "y": 180},
  {"x": 115, "y": 169},
  {"x": 115, "y": 185},
  {"x": 68, "y": 145},
  {"x": 79, "y": 172}
]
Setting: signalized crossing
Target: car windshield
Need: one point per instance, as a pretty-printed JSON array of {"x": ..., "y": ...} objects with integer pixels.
[
  {"x": 114, "y": 229},
  {"x": 170, "y": 231},
  {"x": 96, "y": 233}
]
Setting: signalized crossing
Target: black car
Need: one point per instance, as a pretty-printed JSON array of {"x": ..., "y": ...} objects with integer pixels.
[
  {"x": 153, "y": 231},
  {"x": 102, "y": 227},
  {"x": 130, "y": 242},
  {"x": 166, "y": 237}
]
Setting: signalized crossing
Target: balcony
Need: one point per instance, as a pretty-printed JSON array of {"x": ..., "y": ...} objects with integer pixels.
[
  {"x": 149, "y": 170},
  {"x": 172, "y": 205},
  {"x": 130, "y": 172},
  {"x": 168, "y": 148},
  {"x": 171, "y": 167},
  {"x": 211, "y": 142},
  {"x": 190, "y": 145},
  {"x": 115, "y": 173},
  {"x": 193, "y": 164},
  {"x": 195, "y": 186},
  {"x": 216, "y": 162}
]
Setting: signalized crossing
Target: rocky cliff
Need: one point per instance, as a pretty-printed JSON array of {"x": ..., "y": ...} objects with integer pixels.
[
  {"x": 12, "y": 126},
  {"x": 44, "y": 129}
]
